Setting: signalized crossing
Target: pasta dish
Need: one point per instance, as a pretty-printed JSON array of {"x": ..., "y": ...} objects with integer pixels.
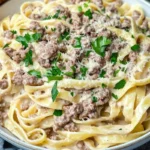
[{"x": 75, "y": 75}]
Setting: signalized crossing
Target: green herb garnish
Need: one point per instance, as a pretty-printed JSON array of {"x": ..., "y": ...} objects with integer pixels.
[
  {"x": 100, "y": 44},
  {"x": 102, "y": 74},
  {"x": 77, "y": 43},
  {"x": 6, "y": 45},
  {"x": 13, "y": 32},
  {"x": 64, "y": 36},
  {"x": 114, "y": 96},
  {"x": 54, "y": 91},
  {"x": 94, "y": 99},
  {"x": 83, "y": 70},
  {"x": 88, "y": 53},
  {"x": 135, "y": 47},
  {"x": 28, "y": 58},
  {"x": 88, "y": 13},
  {"x": 120, "y": 84},
  {"x": 104, "y": 85},
  {"x": 28, "y": 38},
  {"x": 79, "y": 8},
  {"x": 86, "y": 5},
  {"x": 115, "y": 73},
  {"x": 35, "y": 73},
  {"x": 72, "y": 93},
  {"x": 113, "y": 58},
  {"x": 57, "y": 112},
  {"x": 53, "y": 29}
]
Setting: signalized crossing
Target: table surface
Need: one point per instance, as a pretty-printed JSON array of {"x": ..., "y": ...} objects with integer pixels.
[{"x": 7, "y": 146}]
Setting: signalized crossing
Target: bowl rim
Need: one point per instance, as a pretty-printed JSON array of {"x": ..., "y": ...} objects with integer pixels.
[{"x": 20, "y": 143}]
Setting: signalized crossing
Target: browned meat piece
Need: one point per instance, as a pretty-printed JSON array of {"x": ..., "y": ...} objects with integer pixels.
[
  {"x": 76, "y": 1},
  {"x": 3, "y": 111},
  {"x": 70, "y": 112},
  {"x": 3, "y": 84},
  {"x": 17, "y": 56},
  {"x": 102, "y": 95},
  {"x": 144, "y": 25},
  {"x": 44, "y": 62},
  {"x": 64, "y": 11},
  {"x": 132, "y": 57},
  {"x": 20, "y": 77},
  {"x": 9, "y": 51},
  {"x": 136, "y": 15},
  {"x": 98, "y": 3},
  {"x": 71, "y": 127},
  {"x": 86, "y": 43},
  {"x": 31, "y": 80},
  {"x": 8, "y": 34},
  {"x": 106, "y": 33},
  {"x": 51, "y": 134},
  {"x": 89, "y": 110},
  {"x": 38, "y": 16},
  {"x": 81, "y": 146},
  {"x": 48, "y": 50},
  {"x": 126, "y": 23},
  {"x": 112, "y": 8},
  {"x": 76, "y": 20}
]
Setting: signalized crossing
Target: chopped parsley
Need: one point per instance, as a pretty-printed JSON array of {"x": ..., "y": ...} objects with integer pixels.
[
  {"x": 120, "y": 84},
  {"x": 80, "y": 8},
  {"x": 6, "y": 45},
  {"x": 94, "y": 99},
  {"x": 55, "y": 16},
  {"x": 102, "y": 74},
  {"x": 88, "y": 13},
  {"x": 35, "y": 73},
  {"x": 104, "y": 85},
  {"x": 132, "y": 36},
  {"x": 73, "y": 69},
  {"x": 70, "y": 21},
  {"x": 124, "y": 62},
  {"x": 72, "y": 93},
  {"x": 28, "y": 58},
  {"x": 54, "y": 91},
  {"x": 103, "y": 10},
  {"x": 100, "y": 44},
  {"x": 64, "y": 36},
  {"x": 86, "y": 5},
  {"x": 83, "y": 70},
  {"x": 69, "y": 74},
  {"x": 135, "y": 47},
  {"x": 57, "y": 112},
  {"x": 13, "y": 32},
  {"x": 28, "y": 38},
  {"x": 113, "y": 58},
  {"x": 115, "y": 73},
  {"x": 114, "y": 96},
  {"x": 148, "y": 36},
  {"x": 54, "y": 74},
  {"x": 53, "y": 29},
  {"x": 77, "y": 42},
  {"x": 88, "y": 53}
]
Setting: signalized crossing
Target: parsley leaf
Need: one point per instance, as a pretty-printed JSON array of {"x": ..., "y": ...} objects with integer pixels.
[
  {"x": 35, "y": 73},
  {"x": 28, "y": 38},
  {"x": 113, "y": 58},
  {"x": 64, "y": 36},
  {"x": 79, "y": 8},
  {"x": 88, "y": 13},
  {"x": 54, "y": 91},
  {"x": 6, "y": 45},
  {"x": 13, "y": 32},
  {"x": 57, "y": 112},
  {"x": 56, "y": 16},
  {"x": 88, "y": 53},
  {"x": 115, "y": 73},
  {"x": 69, "y": 74},
  {"x": 102, "y": 74},
  {"x": 104, "y": 85},
  {"x": 72, "y": 93},
  {"x": 83, "y": 70},
  {"x": 135, "y": 47},
  {"x": 86, "y": 5},
  {"x": 124, "y": 62},
  {"x": 28, "y": 58},
  {"x": 114, "y": 96},
  {"x": 120, "y": 84},
  {"x": 100, "y": 44},
  {"x": 54, "y": 74},
  {"x": 94, "y": 99},
  {"x": 77, "y": 42},
  {"x": 53, "y": 29}
]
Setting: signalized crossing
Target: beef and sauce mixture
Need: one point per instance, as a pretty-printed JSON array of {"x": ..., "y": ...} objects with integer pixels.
[{"x": 82, "y": 48}]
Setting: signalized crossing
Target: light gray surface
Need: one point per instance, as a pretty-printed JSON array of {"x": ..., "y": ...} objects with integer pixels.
[{"x": 11, "y": 7}]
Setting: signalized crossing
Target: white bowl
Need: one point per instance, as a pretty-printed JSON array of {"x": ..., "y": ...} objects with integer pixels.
[{"x": 6, "y": 135}]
